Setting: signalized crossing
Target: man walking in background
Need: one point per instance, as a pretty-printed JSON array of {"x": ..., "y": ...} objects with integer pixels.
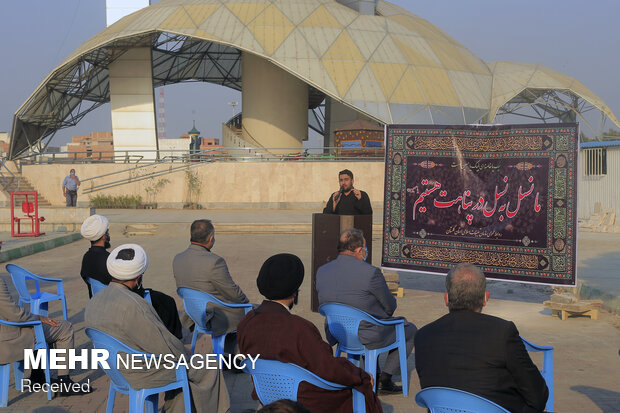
[{"x": 70, "y": 187}]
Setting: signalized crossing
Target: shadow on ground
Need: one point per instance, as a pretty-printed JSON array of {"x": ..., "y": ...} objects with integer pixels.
[{"x": 608, "y": 401}]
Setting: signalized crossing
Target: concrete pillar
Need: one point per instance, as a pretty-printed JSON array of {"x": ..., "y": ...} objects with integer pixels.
[
  {"x": 275, "y": 105},
  {"x": 132, "y": 101}
]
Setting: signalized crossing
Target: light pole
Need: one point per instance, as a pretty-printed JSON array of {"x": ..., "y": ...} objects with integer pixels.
[{"x": 233, "y": 104}]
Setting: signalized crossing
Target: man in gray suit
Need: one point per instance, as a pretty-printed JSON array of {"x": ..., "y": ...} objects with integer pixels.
[
  {"x": 351, "y": 281},
  {"x": 200, "y": 269},
  {"x": 13, "y": 340}
]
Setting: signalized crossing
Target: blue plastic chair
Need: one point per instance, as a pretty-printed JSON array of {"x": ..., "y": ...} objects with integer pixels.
[
  {"x": 547, "y": 370},
  {"x": 275, "y": 380},
  {"x": 95, "y": 286},
  {"x": 147, "y": 297},
  {"x": 446, "y": 400},
  {"x": 38, "y": 301},
  {"x": 195, "y": 303},
  {"x": 344, "y": 321},
  {"x": 18, "y": 366},
  {"x": 137, "y": 397}
]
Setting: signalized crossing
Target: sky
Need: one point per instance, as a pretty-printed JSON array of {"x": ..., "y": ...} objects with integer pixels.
[{"x": 576, "y": 37}]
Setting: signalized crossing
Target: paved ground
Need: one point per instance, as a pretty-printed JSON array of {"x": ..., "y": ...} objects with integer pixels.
[{"x": 586, "y": 358}]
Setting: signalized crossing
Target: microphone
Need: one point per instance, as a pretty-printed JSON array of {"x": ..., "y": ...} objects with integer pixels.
[{"x": 339, "y": 194}]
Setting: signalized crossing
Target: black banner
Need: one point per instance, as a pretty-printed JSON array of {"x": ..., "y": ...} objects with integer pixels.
[{"x": 500, "y": 197}]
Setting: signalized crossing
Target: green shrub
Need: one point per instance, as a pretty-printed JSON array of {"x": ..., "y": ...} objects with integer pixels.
[{"x": 119, "y": 201}]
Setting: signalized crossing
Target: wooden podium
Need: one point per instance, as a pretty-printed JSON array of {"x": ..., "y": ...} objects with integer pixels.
[{"x": 326, "y": 229}]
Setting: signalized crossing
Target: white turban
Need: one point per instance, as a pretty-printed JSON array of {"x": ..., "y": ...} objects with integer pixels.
[
  {"x": 126, "y": 270},
  {"x": 94, "y": 227}
]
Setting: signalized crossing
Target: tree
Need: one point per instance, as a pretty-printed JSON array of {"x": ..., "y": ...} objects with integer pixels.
[{"x": 611, "y": 134}]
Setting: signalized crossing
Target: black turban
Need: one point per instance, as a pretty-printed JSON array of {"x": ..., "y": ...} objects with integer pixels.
[{"x": 280, "y": 276}]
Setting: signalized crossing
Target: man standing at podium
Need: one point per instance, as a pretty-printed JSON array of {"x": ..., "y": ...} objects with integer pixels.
[{"x": 348, "y": 200}]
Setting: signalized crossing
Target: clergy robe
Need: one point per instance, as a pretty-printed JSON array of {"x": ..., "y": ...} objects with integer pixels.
[
  {"x": 129, "y": 318},
  {"x": 94, "y": 265},
  {"x": 272, "y": 332}
]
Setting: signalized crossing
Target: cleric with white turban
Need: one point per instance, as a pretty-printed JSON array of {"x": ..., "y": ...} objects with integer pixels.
[
  {"x": 94, "y": 227},
  {"x": 130, "y": 265}
]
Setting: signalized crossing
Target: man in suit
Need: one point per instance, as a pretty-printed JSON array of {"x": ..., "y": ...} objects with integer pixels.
[
  {"x": 13, "y": 340},
  {"x": 478, "y": 353},
  {"x": 272, "y": 332},
  {"x": 200, "y": 269},
  {"x": 118, "y": 311},
  {"x": 350, "y": 280}
]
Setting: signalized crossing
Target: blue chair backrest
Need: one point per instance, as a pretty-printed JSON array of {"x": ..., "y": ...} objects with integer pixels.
[
  {"x": 195, "y": 303},
  {"x": 344, "y": 322},
  {"x": 105, "y": 341},
  {"x": 19, "y": 276},
  {"x": 446, "y": 400},
  {"x": 95, "y": 286},
  {"x": 147, "y": 297},
  {"x": 547, "y": 370},
  {"x": 275, "y": 380}
]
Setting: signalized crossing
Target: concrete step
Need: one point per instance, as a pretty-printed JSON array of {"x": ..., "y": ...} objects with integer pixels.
[{"x": 26, "y": 186}]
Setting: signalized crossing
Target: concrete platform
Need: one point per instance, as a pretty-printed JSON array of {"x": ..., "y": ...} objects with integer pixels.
[
  {"x": 17, "y": 247},
  {"x": 56, "y": 219},
  {"x": 586, "y": 358}
]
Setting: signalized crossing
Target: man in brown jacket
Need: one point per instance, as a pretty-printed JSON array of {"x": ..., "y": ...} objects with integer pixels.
[
  {"x": 272, "y": 332},
  {"x": 13, "y": 340}
]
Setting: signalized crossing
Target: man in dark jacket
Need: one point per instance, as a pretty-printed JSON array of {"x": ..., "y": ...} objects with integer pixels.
[
  {"x": 478, "y": 353},
  {"x": 348, "y": 200},
  {"x": 272, "y": 332}
]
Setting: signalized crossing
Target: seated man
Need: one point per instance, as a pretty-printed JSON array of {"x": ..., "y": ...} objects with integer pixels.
[
  {"x": 477, "y": 353},
  {"x": 13, "y": 340},
  {"x": 272, "y": 332},
  {"x": 95, "y": 229},
  {"x": 200, "y": 269},
  {"x": 117, "y": 311},
  {"x": 351, "y": 281}
]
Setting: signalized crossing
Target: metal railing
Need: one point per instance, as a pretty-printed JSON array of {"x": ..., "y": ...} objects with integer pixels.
[
  {"x": 218, "y": 154},
  {"x": 8, "y": 179},
  {"x": 131, "y": 178},
  {"x": 178, "y": 160}
]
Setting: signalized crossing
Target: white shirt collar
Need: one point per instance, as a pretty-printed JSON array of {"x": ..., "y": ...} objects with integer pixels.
[{"x": 287, "y": 309}]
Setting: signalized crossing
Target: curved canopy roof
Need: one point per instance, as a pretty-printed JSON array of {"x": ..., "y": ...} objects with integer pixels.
[
  {"x": 512, "y": 79},
  {"x": 395, "y": 67}
]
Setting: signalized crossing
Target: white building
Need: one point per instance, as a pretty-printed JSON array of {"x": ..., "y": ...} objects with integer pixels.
[
  {"x": 173, "y": 148},
  {"x": 598, "y": 186}
]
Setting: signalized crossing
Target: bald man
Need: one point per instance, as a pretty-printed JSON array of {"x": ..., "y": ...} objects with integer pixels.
[{"x": 478, "y": 353}]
